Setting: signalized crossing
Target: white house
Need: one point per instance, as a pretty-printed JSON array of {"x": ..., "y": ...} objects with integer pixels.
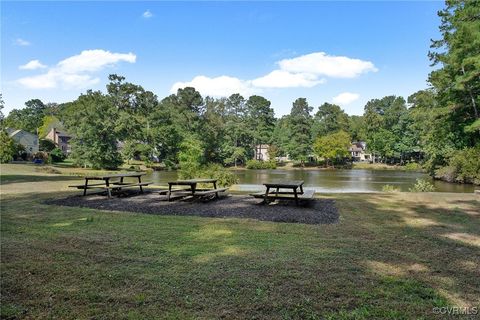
[
  {"x": 261, "y": 152},
  {"x": 28, "y": 140},
  {"x": 357, "y": 151}
]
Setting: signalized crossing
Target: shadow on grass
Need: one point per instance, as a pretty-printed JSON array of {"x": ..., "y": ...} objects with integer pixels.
[
  {"x": 388, "y": 258},
  {"x": 14, "y": 178}
]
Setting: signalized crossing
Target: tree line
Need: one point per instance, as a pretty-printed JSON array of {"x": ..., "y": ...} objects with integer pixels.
[{"x": 439, "y": 126}]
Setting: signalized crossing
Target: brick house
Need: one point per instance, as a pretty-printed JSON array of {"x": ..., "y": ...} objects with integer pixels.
[{"x": 61, "y": 139}]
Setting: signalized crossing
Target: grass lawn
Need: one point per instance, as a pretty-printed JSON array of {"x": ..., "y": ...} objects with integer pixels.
[{"x": 392, "y": 256}]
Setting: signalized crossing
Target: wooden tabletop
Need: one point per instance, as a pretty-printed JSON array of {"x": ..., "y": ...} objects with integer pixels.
[
  {"x": 117, "y": 175},
  {"x": 285, "y": 184},
  {"x": 192, "y": 181}
]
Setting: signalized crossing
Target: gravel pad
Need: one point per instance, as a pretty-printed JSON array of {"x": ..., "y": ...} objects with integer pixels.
[{"x": 318, "y": 211}]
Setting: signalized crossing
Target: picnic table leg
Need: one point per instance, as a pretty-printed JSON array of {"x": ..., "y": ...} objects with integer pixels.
[
  {"x": 265, "y": 199},
  {"x": 301, "y": 189},
  {"x": 215, "y": 187},
  {"x": 109, "y": 193},
  {"x": 139, "y": 182},
  {"x": 85, "y": 189},
  {"x": 193, "y": 187},
  {"x": 169, "y": 191},
  {"x": 296, "y": 196}
]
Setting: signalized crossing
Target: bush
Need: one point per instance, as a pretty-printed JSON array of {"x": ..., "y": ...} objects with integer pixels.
[
  {"x": 463, "y": 166},
  {"x": 57, "y": 155},
  {"x": 422, "y": 186},
  {"x": 256, "y": 164},
  {"x": 390, "y": 188},
  {"x": 225, "y": 178},
  {"x": 42, "y": 156}
]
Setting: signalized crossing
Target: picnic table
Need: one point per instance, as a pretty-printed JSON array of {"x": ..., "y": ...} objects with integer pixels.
[
  {"x": 192, "y": 189},
  {"x": 112, "y": 182},
  {"x": 296, "y": 187}
]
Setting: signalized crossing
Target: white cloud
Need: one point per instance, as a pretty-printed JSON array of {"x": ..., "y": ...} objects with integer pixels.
[
  {"x": 285, "y": 79},
  {"x": 94, "y": 60},
  {"x": 345, "y": 98},
  {"x": 147, "y": 14},
  {"x": 32, "y": 65},
  {"x": 21, "y": 42},
  {"x": 304, "y": 71},
  {"x": 76, "y": 71},
  {"x": 319, "y": 63},
  {"x": 217, "y": 87}
]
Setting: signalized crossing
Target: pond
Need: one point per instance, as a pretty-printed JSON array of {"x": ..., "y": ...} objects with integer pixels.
[{"x": 357, "y": 180}]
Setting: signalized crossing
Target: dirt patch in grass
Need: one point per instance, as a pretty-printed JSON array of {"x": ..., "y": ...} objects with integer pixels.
[{"x": 318, "y": 211}]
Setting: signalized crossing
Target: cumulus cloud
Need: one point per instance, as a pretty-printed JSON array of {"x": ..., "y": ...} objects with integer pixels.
[
  {"x": 32, "y": 65},
  {"x": 76, "y": 71},
  {"x": 319, "y": 63},
  {"x": 285, "y": 79},
  {"x": 21, "y": 42},
  {"x": 304, "y": 71},
  {"x": 345, "y": 98},
  {"x": 147, "y": 14},
  {"x": 217, "y": 87}
]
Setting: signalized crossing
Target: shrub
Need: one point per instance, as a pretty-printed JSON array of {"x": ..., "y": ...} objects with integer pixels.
[
  {"x": 225, "y": 178},
  {"x": 422, "y": 186},
  {"x": 42, "y": 156},
  {"x": 390, "y": 188},
  {"x": 463, "y": 166},
  {"x": 256, "y": 164},
  {"x": 57, "y": 155}
]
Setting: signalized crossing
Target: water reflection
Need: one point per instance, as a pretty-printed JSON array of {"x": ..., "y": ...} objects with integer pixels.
[{"x": 328, "y": 180}]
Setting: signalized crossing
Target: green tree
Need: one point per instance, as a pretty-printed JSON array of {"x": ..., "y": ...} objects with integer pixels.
[
  {"x": 29, "y": 118},
  {"x": 356, "y": 128},
  {"x": 237, "y": 139},
  {"x": 332, "y": 147},
  {"x": 329, "y": 118},
  {"x": 48, "y": 123},
  {"x": 93, "y": 123},
  {"x": 300, "y": 123},
  {"x": 7, "y": 147},
  {"x": 386, "y": 120},
  {"x": 191, "y": 157},
  {"x": 260, "y": 120}
]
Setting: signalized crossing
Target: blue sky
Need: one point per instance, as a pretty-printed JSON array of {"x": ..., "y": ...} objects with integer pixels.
[{"x": 343, "y": 52}]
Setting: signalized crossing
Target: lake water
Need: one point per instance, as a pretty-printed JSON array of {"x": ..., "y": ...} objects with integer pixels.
[{"x": 357, "y": 180}]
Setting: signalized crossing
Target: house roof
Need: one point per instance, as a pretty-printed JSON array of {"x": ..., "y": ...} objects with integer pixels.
[
  {"x": 355, "y": 149},
  {"x": 13, "y": 133}
]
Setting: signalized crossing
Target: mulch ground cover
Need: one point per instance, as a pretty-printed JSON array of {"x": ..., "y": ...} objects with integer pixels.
[{"x": 317, "y": 211}]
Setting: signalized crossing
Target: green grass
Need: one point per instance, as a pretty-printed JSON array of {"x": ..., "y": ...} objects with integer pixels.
[{"x": 392, "y": 256}]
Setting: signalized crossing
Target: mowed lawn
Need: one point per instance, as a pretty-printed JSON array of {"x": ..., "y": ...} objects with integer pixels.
[{"x": 391, "y": 256}]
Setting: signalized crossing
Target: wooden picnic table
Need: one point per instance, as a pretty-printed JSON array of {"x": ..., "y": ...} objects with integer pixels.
[
  {"x": 296, "y": 187},
  {"x": 193, "y": 190},
  {"x": 117, "y": 183}
]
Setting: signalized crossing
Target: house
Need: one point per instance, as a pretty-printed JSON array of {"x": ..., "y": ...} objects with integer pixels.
[
  {"x": 28, "y": 140},
  {"x": 261, "y": 152},
  {"x": 61, "y": 139},
  {"x": 357, "y": 151}
]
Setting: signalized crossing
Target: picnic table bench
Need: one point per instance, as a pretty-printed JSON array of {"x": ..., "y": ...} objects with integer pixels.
[
  {"x": 297, "y": 193},
  {"x": 113, "y": 182},
  {"x": 190, "y": 189}
]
